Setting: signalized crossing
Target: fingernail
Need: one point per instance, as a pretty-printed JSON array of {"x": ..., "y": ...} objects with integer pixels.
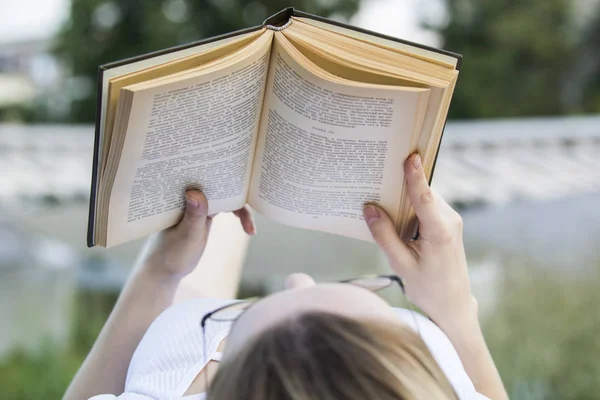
[
  {"x": 371, "y": 214},
  {"x": 417, "y": 162},
  {"x": 192, "y": 202}
]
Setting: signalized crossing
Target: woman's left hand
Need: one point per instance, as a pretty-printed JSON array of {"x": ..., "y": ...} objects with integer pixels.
[
  {"x": 167, "y": 257},
  {"x": 175, "y": 252}
]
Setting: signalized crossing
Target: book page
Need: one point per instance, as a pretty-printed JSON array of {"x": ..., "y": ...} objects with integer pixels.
[
  {"x": 196, "y": 132},
  {"x": 326, "y": 148},
  {"x": 201, "y": 54},
  {"x": 400, "y": 46}
]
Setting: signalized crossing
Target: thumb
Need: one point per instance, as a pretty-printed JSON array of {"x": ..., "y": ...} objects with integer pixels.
[
  {"x": 385, "y": 236},
  {"x": 196, "y": 210}
]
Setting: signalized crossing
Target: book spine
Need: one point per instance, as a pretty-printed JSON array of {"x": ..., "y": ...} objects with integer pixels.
[
  {"x": 279, "y": 28},
  {"x": 95, "y": 159},
  {"x": 280, "y": 18}
]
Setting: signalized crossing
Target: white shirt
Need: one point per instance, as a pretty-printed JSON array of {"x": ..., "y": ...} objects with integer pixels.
[{"x": 172, "y": 353}]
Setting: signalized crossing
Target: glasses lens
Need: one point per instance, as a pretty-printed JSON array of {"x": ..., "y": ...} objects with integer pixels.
[
  {"x": 232, "y": 311},
  {"x": 373, "y": 283}
]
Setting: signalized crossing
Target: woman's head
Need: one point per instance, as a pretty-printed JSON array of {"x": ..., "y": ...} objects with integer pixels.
[
  {"x": 303, "y": 295},
  {"x": 318, "y": 355},
  {"x": 329, "y": 341}
]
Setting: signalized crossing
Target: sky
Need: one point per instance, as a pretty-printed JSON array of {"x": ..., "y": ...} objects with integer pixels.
[
  {"x": 32, "y": 19},
  {"x": 400, "y": 18}
]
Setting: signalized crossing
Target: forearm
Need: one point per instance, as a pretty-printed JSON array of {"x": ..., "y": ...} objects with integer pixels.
[
  {"x": 167, "y": 258},
  {"x": 144, "y": 297},
  {"x": 466, "y": 336}
]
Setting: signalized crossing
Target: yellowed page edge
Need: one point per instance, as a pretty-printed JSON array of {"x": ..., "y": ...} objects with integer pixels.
[
  {"x": 428, "y": 55},
  {"x": 391, "y": 186},
  {"x": 118, "y": 229}
]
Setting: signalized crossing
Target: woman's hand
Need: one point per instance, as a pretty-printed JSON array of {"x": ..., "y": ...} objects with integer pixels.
[
  {"x": 434, "y": 270},
  {"x": 167, "y": 257},
  {"x": 434, "y": 267},
  {"x": 175, "y": 252}
]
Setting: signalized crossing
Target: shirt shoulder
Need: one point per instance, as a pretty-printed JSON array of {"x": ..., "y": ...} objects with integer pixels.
[
  {"x": 124, "y": 396},
  {"x": 173, "y": 347},
  {"x": 443, "y": 352}
]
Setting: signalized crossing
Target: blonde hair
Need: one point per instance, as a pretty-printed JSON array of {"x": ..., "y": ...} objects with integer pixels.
[{"x": 325, "y": 356}]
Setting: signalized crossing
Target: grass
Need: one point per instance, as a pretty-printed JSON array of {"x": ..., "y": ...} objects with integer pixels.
[
  {"x": 47, "y": 373},
  {"x": 544, "y": 336}
]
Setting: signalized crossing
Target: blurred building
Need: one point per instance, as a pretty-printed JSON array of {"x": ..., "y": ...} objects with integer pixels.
[
  {"x": 527, "y": 188},
  {"x": 37, "y": 282},
  {"x": 487, "y": 166},
  {"x": 34, "y": 84},
  {"x": 27, "y": 69}
]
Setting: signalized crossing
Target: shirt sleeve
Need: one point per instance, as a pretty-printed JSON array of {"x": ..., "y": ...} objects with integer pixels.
[
  {"x": 173, "y": 349},
  {"x": 443, "y": 352},
  {"x": 124, "y": 396}
]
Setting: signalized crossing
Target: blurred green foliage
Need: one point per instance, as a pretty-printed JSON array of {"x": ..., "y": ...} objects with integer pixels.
[
  {"x": 524, "y": 57},
  {"x": 44, "y": 374},
  {"x": 543, "y": 337},
  {"x": 99, "y": 31}
]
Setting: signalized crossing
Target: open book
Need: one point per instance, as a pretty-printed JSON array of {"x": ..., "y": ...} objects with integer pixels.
[{"x": 304, "y": 119}]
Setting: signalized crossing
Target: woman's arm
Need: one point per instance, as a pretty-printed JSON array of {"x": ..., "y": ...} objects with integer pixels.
[
  {"x": 434, "y": 269},
  {"x": 168, "y": 257}
]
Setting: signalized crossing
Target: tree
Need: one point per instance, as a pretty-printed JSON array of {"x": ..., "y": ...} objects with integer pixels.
[
  {"x": 99, "y": 32},
  {"x": 519, "y": 58},
  {"x": 584, "y": 81}
]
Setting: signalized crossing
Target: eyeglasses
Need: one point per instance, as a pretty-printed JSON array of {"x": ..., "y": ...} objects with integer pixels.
[{"x": 233, "y": 311}]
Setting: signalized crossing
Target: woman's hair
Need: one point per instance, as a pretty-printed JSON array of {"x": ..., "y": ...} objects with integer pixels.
[{"x": 326, "y": 356}]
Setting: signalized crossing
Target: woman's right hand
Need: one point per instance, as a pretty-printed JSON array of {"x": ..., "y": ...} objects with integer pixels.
[{"x": 433, "y": 267}]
